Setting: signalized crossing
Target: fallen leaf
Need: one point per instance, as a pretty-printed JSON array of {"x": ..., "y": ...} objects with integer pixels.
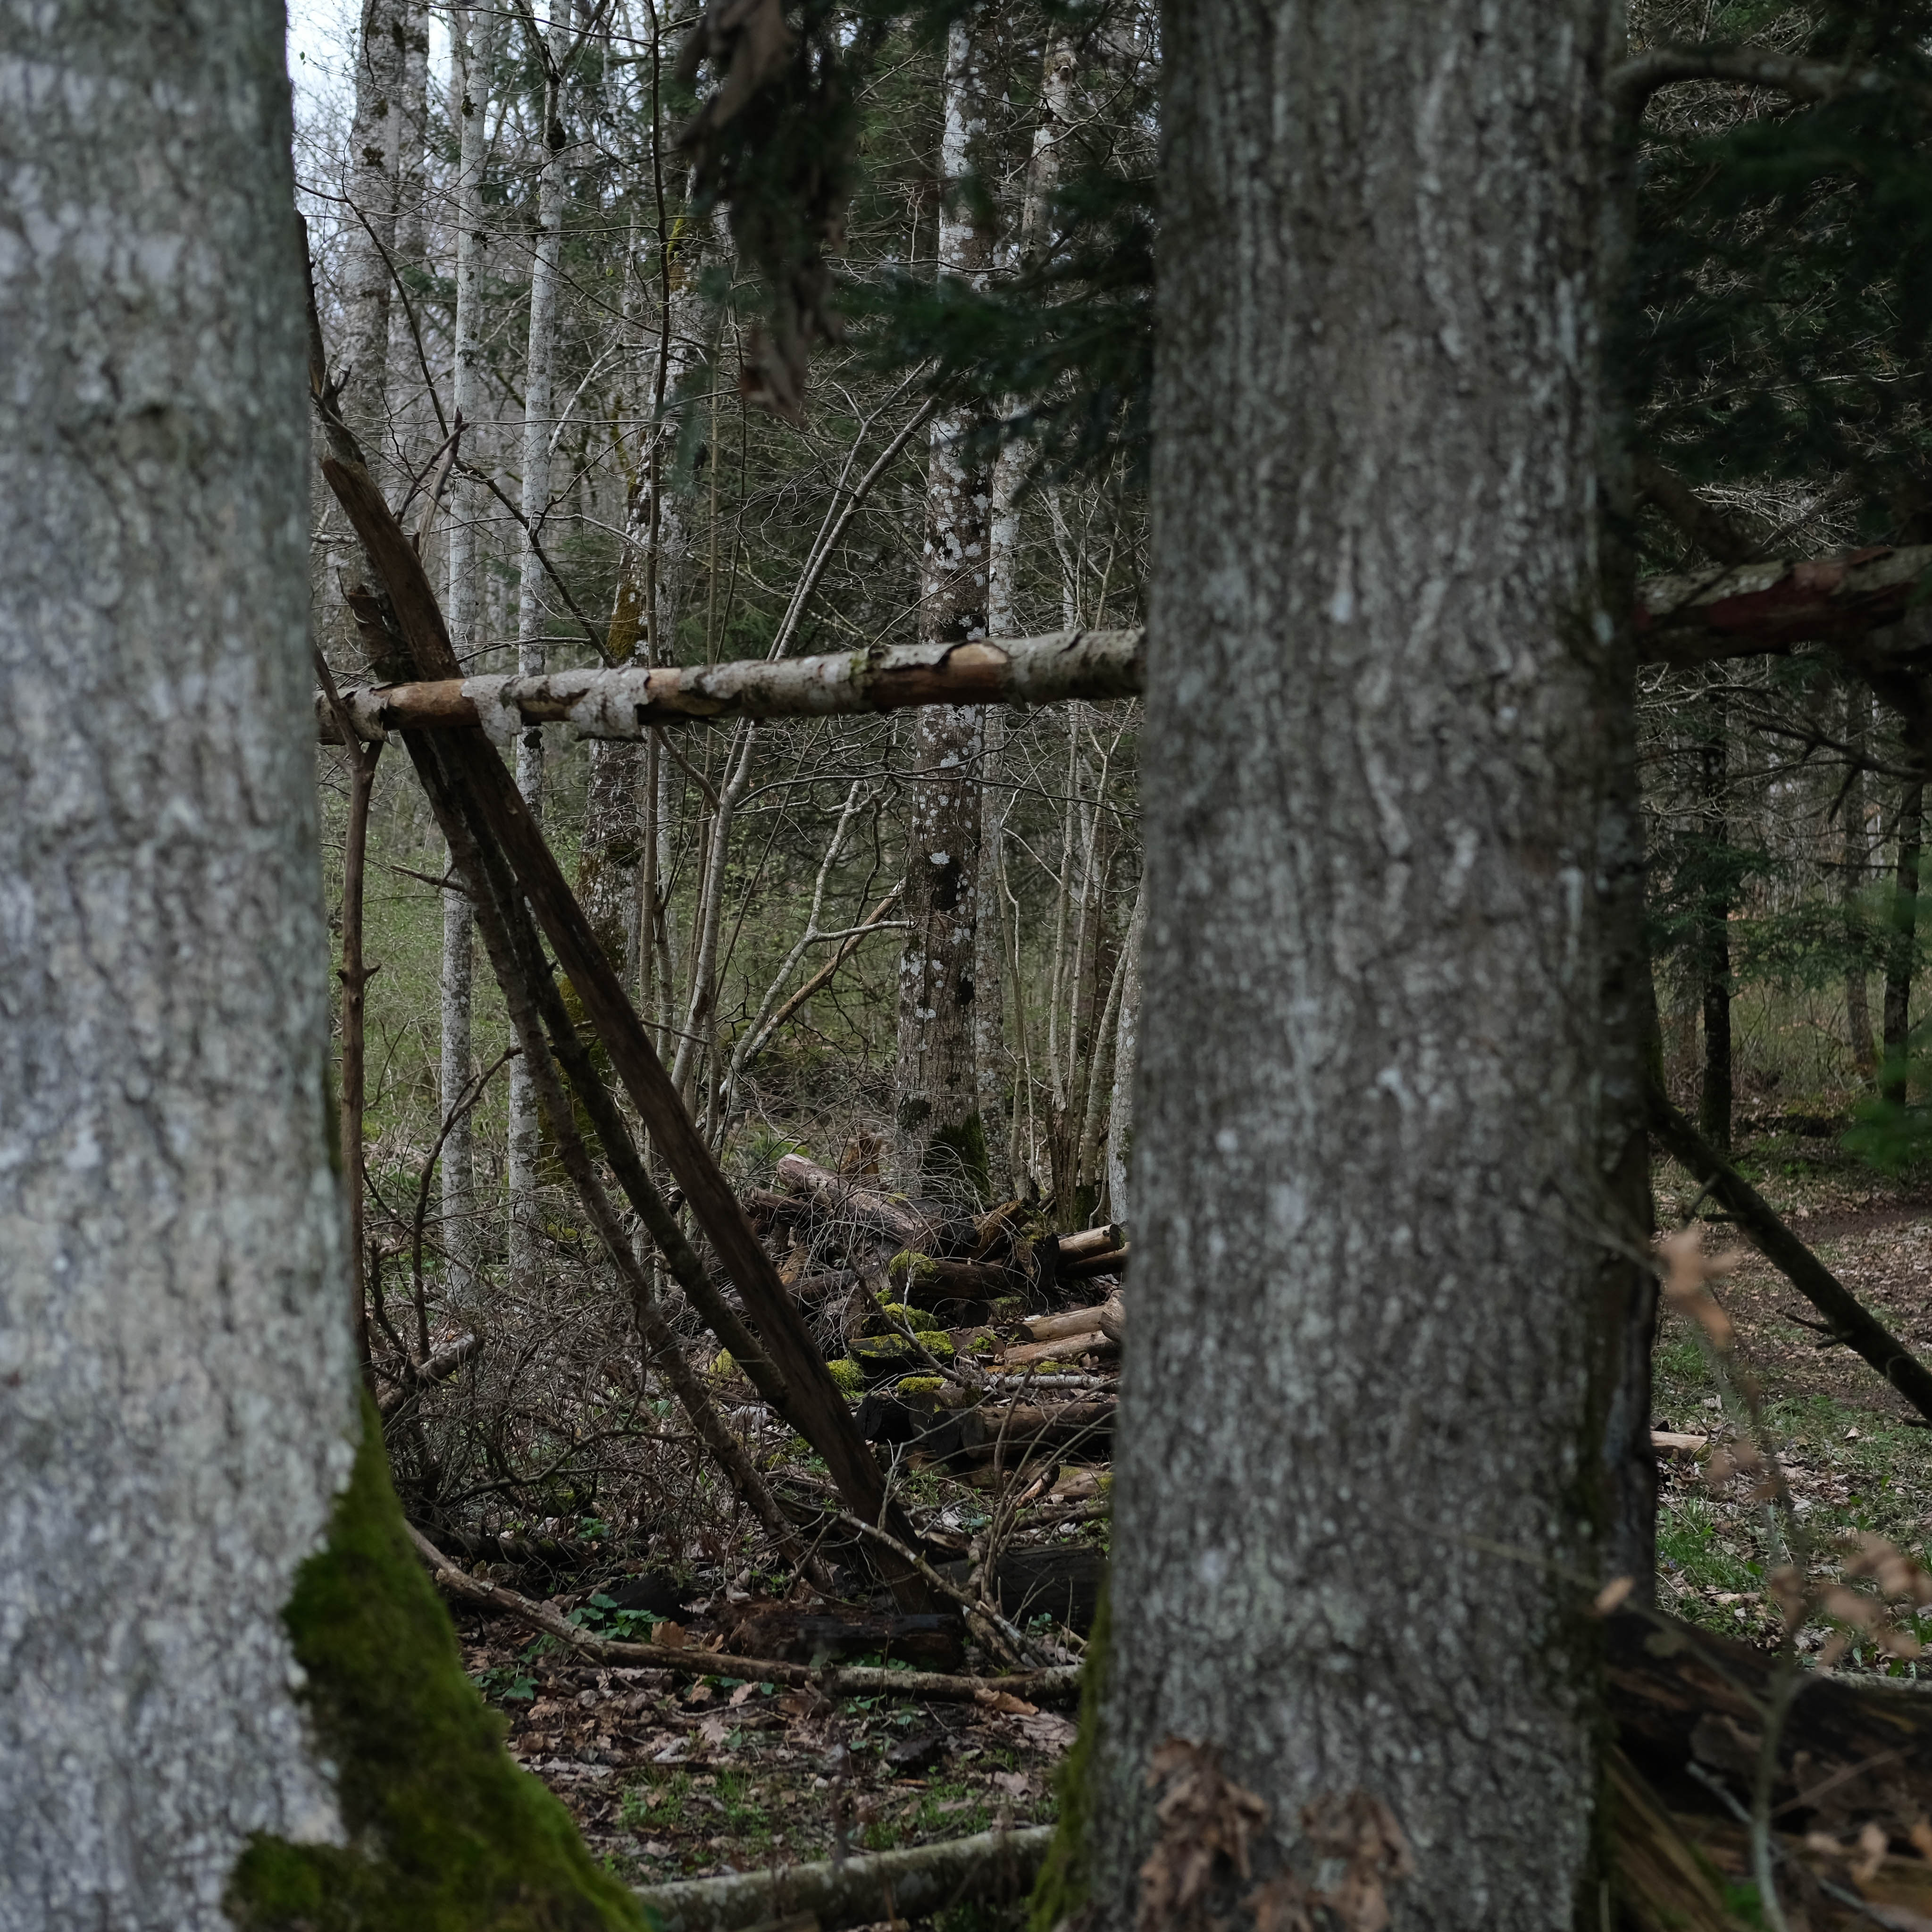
[{"x": 1005, "y": 1700}]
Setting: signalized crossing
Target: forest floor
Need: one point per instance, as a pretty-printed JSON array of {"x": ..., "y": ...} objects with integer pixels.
[
  {"x": 1857, "y": 1456},
  {"x": 669, "y": 1778}
]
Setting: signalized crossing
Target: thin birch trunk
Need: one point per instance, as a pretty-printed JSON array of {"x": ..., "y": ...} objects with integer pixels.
[
  {"x": 1909, "y": 832},
  {"x": 1855, "y": 859},
  {"x": 474, "y": 30},
  {"x": 1126, "y": 1054},
  {"x": 369, "y": 232},
  {"x": 992, "y": 1060},
  {"x": 941, "y": 1136},
  {"x": 526, "y": 1131}
]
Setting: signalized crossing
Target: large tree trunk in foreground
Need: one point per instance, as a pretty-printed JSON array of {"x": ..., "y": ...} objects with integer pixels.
[
  {"x": 1369, "y": 1187},
  {"x": 219, "y": 1671},
  {"x": 177, "y": 1388}
]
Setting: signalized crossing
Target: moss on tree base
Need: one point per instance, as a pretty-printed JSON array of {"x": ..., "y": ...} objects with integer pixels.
[
  {"x": 1066, "y": 1882},
  {"x": 446, "y": 1835}
]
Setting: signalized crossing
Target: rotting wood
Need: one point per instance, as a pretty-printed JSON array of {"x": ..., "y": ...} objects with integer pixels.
[
  {"x": 811, "y": 1401},
  {"x": 1089, "y": 1242},
  {"x": 1070, "y": 1321},
  {"x": 992, "y": 1868},
  {"x": 1848, "y": 1320},
  {"x": 628, "y": 701},
  {"x": 1058, "y": 1683}
]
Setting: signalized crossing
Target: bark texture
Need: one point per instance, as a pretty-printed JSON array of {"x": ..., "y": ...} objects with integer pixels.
[
  {"x": 375, "y": 153},
  {"x": 936, "y": 1100},
  {"x": 473, "y": 33},
  {"x": 177, "y": 1383},
  {"x": 1369, "y": 1191}
]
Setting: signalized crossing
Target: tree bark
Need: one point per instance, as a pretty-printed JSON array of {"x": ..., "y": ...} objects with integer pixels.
[
  {"x": 178, "y": 1383},
  {"x": 525, "y": 1138},
  {"x": 1713, "y": 940},
  {"x": 369, "y": 234},
  {"x": 473, "y": 32},
  {"x": 1372, "y": 1152},
  {"x": 942, "y": 1139},
  {"x": 1855, "y": 859},
  {"x": 1909, "y": 832}
]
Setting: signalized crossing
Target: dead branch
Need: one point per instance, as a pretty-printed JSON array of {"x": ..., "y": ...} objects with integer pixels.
[
  {"x": 1061, "y": 1681},
  {"x": 994, "y": 1867},
  {"x": 1851, "y": 1321}
]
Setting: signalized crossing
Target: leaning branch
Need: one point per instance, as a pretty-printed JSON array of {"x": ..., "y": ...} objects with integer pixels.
[
  {"x": 628, "y": 701},
  {"x": 1848, "y": 1320}
]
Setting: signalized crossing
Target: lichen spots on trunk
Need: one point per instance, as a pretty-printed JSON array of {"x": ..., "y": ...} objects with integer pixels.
[{"x": 444, "y": 1831}]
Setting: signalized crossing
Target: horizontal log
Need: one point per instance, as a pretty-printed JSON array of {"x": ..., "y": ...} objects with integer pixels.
[
  {"x": 628, "y": 700},
  {"x": 1770, "y": 606},
  {"x": 1062, "y": 1348},
  {"x": 1686, "y": 620},
  {"x": 840, "y": 1194},
  {"x": 1072, "y": 1322},
  {"x": 1091, "y": 1265},
  {"x": 1091, "y": 1241},
  {"x": 992, "y": 1868}
]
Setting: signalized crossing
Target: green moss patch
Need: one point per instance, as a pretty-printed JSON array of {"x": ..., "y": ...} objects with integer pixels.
[
  {"x": 445, "y": 1834},
  {"x": 1066, "y": 1882}
]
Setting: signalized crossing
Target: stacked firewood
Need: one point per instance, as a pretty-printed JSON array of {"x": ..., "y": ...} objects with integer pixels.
[{"x": 929, "y": 1310}]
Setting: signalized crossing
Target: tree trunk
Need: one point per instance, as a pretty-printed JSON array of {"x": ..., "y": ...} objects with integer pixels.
[
  {"x": 942, "y": 1138},
  {"x": 525, "y": 1138},
  {"x": 1126, "y": 1052},
  {"x": 369, "y": 233},
  {"x": 1909, "y": 831},
  {"x": 1856, "y": 862},
  {"x": 474, "y": 34},
  {"x": 1371, "y": 1144},
  {"x": 210, "y": 1715},
  {"x": 1713, "y": 926}
]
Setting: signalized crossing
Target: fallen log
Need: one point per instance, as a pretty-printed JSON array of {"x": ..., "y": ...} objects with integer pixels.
[
  {"x": 993, "y": 1868},
  {"x": 1092, "y": 1341},
  {"x": 628, "y": 701},
  {"x": 839, "y": 1194},
  {"x": 1091, "y": 1241},
  {"x": 1068, "y": 1321},
  {"x": 924, "y": 1281},
  {"x": 1114, "y": 1262},
  {"x": 1848, "y": 1320},
  {"x": 1770, "y": 606}
]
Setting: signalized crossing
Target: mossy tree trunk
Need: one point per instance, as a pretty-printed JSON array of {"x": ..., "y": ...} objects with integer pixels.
[
  {"x": 222, "y": 1667},
  {"x": 1373, "y": 1159}
]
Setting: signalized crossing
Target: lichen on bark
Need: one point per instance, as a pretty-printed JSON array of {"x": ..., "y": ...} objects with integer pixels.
[{"x": 443, "y": 1831}]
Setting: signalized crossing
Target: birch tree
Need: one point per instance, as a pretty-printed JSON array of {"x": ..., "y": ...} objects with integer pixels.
[
  {"x": 552, "y": 49},
  {"x": 1370, "y": 1193},
  {"x": 937, "y": 1101},
  {"x": 232, "y": 1697},
  {"x": 473, "y": 35}
]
